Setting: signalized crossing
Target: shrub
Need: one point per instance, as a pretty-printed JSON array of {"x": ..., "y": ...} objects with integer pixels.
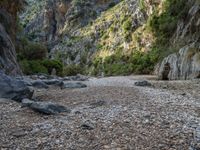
[
  {"x": 41, "y": 66},
  {"x": 34, "y": 51},
  {"x": 73, "y": 69},
  {"x": 30, "y": 50},
  {"x": 53, "y": 64},
  {"x": 142, "y": 5},
  {"x": 32, "y": 67},
  {"x": 127, "y": 25}
]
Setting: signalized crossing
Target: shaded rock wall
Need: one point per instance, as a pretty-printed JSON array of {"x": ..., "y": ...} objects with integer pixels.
[{"x": 8, "y": 61}]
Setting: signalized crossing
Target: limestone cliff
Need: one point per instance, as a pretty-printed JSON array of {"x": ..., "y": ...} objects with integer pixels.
[
  {"x": 116, "y": 37},
  {"x": 184, "y": 64},
  {"x": 8, "y": 60}
]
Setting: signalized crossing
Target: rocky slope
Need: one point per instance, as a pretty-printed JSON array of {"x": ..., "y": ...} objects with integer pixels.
[{"x": 116, "y": 37}]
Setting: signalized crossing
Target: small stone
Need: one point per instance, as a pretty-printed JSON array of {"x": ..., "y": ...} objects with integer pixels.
[
  {"x": 19, "y": 133},
  {"x": 88, "y": 125},
  {"x": 183, "y": 94}
]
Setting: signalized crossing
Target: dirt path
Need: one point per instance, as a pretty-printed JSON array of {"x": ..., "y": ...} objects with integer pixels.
[{"x": 111, "y": 113}]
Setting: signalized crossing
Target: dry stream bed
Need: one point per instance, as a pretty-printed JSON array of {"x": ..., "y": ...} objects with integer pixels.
[{"x": 110, "y": 114}]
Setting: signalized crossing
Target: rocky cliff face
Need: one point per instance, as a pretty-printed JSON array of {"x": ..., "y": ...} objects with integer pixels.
[
  {"x": 49, "y": 19},
  {"x": 8, "y": 62},
  {"x": 74, "y": 30},
  {"x": 130, "y": 35}
]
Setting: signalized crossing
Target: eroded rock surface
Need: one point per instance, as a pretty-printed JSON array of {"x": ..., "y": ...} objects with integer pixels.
[{"x": 8, "y": 61}]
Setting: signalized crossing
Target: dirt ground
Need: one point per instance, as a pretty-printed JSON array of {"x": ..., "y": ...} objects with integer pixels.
[{"x": 110, "y": 114}]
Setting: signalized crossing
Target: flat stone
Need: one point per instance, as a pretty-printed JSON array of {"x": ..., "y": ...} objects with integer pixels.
[
  {"x": 45, "y": 107},
  {"x": 142, "y": 83},
  {"x": 40, "y": 84},
  {"x": 71, "y": 85},
  {"x": 55, "y": 82}
]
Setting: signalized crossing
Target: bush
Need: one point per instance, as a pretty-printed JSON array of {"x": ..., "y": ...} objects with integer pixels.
[
  {"x": 53, "y": 64},
  {"x": 34, "y": 51},
  {"x": 30, "y": 50},
  {"x": 32, "y": 67},
  {"x": 41, "y": 66},
  {"x": 164, "y": 25},
  {"x": 127, "y": 25},
  {"x": 72, "y": 70},
  {"x": 117, "y": 69},
  {"x": 118, "y": 64}
]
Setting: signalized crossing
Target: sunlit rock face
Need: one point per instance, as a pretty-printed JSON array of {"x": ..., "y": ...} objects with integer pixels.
[
  {"x": 49, "y": 19},
  {"x": 62, "y": 25}
]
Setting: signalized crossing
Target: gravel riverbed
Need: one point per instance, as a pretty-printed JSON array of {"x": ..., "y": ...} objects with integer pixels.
[{"x": 110, "y": 114}]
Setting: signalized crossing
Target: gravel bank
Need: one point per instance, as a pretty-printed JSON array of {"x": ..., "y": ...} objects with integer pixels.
[{"x": 111, "y": 113}]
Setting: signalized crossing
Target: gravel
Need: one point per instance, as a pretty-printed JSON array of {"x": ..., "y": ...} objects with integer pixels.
[{"x": 110, "y": 114}]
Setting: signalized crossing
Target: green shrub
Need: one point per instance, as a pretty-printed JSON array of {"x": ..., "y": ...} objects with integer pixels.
[
  {"x": 73, "y": 69},
  {"x": 34, "y": 51},
  {"x": 142, "y": 5},
  {"x": 30, "y": 50},
  {"x": 127, "y": 25},
  {"x": 53, "y": 64},
  {"x": 117, "y": 69},
  {"x": 32, "y": 67},
  {"x": 118, "y": 64},
  {"x": 41, "y": 66}
]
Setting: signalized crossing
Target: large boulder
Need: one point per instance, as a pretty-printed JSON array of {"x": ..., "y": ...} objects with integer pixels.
[
  {"x": 182, "y": 65},
  {"x": 14, "y": 89}
]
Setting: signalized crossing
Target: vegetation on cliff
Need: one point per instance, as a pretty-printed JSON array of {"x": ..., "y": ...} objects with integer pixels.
[{"x": 111, "y": 38}]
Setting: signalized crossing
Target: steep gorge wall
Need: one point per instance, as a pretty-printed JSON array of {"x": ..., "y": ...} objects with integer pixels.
[
  {"x": 184, "y": 64},
  {"x": 129, "y": 35},
  {"x": 48, "y": 20},
  {"x": 8, "y": 60}
]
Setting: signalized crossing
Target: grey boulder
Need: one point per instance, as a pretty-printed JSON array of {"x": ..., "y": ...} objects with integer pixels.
[
  {"x": 55, "y": 82},
  {"x": 40, "y": 84},
  {"x": 142, "y": 83},
  {"x": 14, "y": 89},
  {"x": 45, "y": 107},
  {"x": 73, "y": 85}
]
